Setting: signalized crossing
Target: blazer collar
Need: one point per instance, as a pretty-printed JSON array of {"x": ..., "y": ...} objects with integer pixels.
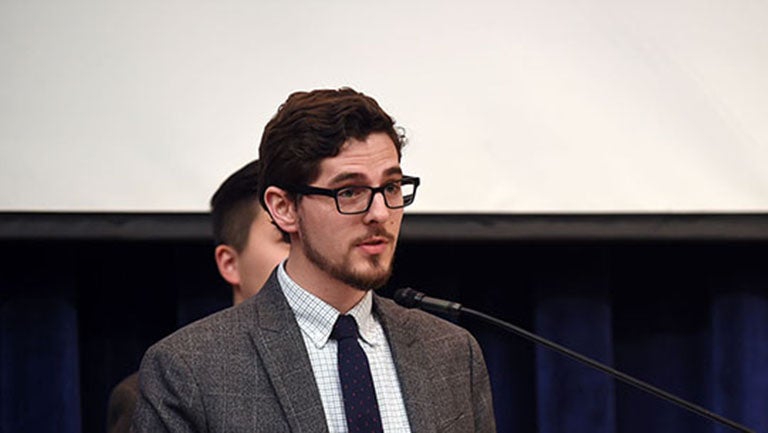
[
  {"x": 411, "y": 363},
  {"x": 279, "y": 344}
]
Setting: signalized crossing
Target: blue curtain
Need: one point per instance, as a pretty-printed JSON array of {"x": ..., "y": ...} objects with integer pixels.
[
  {"x": 739, "y": 342},
  {"x": 689, "y": 318},
  {"x": 39, "y": 350}
]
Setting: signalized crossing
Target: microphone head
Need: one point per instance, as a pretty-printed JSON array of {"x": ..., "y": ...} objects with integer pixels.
[{"x": 408, "y": 297}]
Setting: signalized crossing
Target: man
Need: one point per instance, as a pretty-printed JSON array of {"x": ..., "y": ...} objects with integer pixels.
[
  {"x": 315, "y": 350},
  {"x": 248, "y": 247}
]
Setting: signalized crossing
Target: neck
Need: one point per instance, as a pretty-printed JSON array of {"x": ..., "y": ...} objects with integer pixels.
[
  {"x": 314, "y": 280},
  {"x": 237, "y": 295}
]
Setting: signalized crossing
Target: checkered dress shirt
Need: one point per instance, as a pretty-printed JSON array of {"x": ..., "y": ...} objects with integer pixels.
[{"x": 316, "y": 319}]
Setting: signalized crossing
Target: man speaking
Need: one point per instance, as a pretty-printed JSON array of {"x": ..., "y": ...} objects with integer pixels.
[{"x": 316, "y": 350}]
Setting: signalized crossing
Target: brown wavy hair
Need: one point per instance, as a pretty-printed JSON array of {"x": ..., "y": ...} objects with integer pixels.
[{"x": 312, "y": 126}]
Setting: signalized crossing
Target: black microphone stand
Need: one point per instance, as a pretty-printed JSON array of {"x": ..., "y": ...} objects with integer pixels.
[
  {"x": 411, "y": 298},
  {"x": 637, "y": 383}
]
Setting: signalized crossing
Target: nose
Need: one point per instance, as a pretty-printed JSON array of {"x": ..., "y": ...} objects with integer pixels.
[{"x": 378, "y": 212}]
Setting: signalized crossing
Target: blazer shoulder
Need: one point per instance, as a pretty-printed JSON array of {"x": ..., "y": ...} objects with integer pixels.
[
  {"x": 219, "y": 329},
  {"x": 228, "y": 331}
]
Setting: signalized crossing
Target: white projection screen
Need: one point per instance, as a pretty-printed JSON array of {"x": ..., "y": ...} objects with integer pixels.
[{"x": 511, "y": 106}]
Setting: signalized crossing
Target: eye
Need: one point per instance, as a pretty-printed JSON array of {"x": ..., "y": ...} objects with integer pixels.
[
  {"x": 350, "y": 193},
  {"x": 392, "y": 188}
]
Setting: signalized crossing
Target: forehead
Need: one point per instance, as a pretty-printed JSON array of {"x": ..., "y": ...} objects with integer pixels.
[{"x": 367, "y": 160}]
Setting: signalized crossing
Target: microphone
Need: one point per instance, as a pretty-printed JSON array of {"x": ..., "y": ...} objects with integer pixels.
[{"x": 411, "y": 298}]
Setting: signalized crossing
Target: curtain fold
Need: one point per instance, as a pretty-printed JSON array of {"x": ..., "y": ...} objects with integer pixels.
[
  {"x": 570, "y": 396},
  {"x": 740, "y": 364},
  {"x": 40, "y": 390}
]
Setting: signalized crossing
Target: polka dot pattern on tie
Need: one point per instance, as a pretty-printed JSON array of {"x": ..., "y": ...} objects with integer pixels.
[{"x": 360, "y": 405}]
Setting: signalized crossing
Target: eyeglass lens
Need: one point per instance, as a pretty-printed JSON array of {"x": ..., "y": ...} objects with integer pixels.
[{"x": 358, "y": 198}]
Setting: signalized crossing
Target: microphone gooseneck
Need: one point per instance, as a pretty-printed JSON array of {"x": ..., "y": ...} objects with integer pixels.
[{"x": 411, "y": 298}]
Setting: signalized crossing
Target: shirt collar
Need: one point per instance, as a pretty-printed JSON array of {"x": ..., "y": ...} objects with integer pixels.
[{"x": 316, "y": 318}]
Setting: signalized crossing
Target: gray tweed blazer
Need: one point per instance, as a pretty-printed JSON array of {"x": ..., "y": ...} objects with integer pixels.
[{"x": 245, "y": 369}]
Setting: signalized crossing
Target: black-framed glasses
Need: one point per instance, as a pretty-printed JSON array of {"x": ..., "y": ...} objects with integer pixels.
[{"x": 352, "y": 200}]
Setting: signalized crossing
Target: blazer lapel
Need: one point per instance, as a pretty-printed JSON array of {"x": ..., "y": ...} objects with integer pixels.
[
  {"x": 280, "y": 346},
  {"x": 412, "y": 366}
]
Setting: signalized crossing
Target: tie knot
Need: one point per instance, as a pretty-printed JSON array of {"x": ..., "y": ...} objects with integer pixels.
[{"x": 345, "y": 327}]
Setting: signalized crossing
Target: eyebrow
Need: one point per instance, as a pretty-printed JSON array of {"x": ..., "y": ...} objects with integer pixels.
[{"x": 342, "y": 177}]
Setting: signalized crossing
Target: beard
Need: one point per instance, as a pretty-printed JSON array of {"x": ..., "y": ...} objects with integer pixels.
[{"x": 378, "y": 272}]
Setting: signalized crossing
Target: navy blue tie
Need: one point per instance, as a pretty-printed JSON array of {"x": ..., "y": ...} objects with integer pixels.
[{"x": 360, "y": 405}]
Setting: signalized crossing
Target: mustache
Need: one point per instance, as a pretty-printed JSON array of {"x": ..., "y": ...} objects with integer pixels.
[{"x": 377, "y": 232}]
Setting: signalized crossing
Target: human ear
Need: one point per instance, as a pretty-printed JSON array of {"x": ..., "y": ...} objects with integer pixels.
[
  {"x": 227, "y": 262},
  {"x": 282, "y": 209}
]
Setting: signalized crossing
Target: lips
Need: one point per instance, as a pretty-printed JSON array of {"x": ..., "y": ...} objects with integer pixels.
[{"x": 374, "y": 244}]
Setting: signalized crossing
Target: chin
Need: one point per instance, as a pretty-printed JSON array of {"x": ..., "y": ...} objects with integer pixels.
[{"x": 369, "y": 278}]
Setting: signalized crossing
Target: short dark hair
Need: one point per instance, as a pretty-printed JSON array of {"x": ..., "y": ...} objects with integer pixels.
[
  {"x": 312, "y": 126},
  {"x": 234, "y": 206}
]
